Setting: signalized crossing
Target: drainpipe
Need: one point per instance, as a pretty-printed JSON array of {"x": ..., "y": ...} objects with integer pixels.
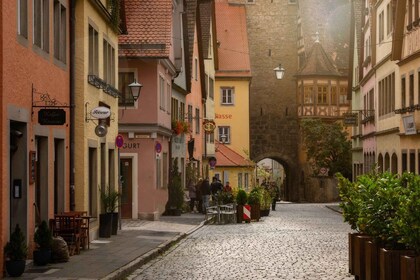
[{"x": 72, "y": 106}]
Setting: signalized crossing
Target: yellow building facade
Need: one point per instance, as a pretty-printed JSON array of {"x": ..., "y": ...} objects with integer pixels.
[{"x": 96, "y": 74}]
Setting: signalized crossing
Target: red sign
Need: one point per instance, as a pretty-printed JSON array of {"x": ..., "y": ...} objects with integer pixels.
[
  {"x": 158, "y": 147},
  {"x": 119, "y": 141},
  {"x": 247, "y": 212}
]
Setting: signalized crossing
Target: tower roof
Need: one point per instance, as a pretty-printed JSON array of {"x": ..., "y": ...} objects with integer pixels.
[{"x": 318, "y": 63}]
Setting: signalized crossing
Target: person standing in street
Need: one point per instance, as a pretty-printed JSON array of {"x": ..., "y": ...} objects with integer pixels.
[
  {"x": 192, "y": 195},
  {"x": 205, "y": 194},
  {"x": 198, "y": 195}
]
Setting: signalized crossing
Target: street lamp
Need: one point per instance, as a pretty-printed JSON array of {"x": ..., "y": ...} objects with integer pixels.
[
  {"x": 223, "y": 138},
  {"x": 279, "y": 72},
  {"x": 135, "y": 88}
]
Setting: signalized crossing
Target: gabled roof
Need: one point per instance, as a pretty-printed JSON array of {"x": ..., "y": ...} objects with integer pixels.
[
  {"x": 149, "y": 25},
  {"x": 232, "y": 38},
  {"x": 189, "y": 20},
  {"x": 318, "y": 63},
  {"x": 228, "y": 157},
  {"x": 205, "y": 11}
]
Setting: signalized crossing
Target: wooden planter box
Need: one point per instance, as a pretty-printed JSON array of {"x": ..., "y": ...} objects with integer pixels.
[
  {"x": 371, "y": 259},
  {"x": 359, "y": 265},
  {"x": 389, "y": 263},
  {"x": 255, "y": 212},
  {"x": 410, "y": 267}
]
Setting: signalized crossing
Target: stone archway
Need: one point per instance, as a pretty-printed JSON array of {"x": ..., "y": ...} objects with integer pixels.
[{"x": 291, "y": 170}]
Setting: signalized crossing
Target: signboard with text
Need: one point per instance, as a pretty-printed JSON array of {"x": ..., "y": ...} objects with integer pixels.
[{"x": 51, "y": 117}]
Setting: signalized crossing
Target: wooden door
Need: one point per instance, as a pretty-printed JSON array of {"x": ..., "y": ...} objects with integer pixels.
[{"x": 127, "y": 188}]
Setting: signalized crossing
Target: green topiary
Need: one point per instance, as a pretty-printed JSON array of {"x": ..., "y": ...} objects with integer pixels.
[
  {"x": 241, "y": 197},
  {"x": 255, "y": 196},
  {"x": 16, "y": 248},
  {"x": 266, "y": 200},
  {"x": 43, "y": 236}
]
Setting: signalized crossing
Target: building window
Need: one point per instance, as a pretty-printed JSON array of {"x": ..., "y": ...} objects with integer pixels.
[
  {"x": 168, "y": 98},
  {"x": 390, "y": 17},
  {"x": 161, "y": 93},
  {"x": 22, "y": 18},
  {"x": 197, "y": 121},
  {"x": 109, "y": 63},
  {"x": 333, "y": 95},
  {"x": 42, "y": 24},
  {"x": 93, "y": 51},
  {"x": 411, "y": 90},
  {"x": 246, "y": 181},
  {"x": 322, "y": 95},
  {"x": 227, "y": 96},
  {"x": 196, "y": 69},
  {"x": 211, "y": 88},
  {"x": 60, "y": 31},
  {"x": 174, "y": 109},
  {"x": 343, "y": 96},
  {"x": 190, "y": 116},
  {"x": 386, "y": 95},
  {"x": 403, "y": 92},
  {"x": 307, "y": 95},
  {"x": 224, "y": 134},
  {"x": 124, "y": 79},
  {"x": 240, "y": 180},
  {"x": 381, "y": 34},
  {"x": 181, "y": 111}
]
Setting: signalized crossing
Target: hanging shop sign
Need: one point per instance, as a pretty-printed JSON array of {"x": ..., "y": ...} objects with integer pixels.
[
  {"x": 209, "y": 126},
  {"x": 51, "y": 117},
  {"x": 351, "y": 119},
  {"x": 100, "y": 112}
]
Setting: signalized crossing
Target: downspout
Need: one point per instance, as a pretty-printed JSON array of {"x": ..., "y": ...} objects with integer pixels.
[{"x": 72, "y": 95}]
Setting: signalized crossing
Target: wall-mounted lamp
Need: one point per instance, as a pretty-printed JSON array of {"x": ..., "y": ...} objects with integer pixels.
[
  {"x": 135, "y": 88},
  {"x": 279, "y": 72}
]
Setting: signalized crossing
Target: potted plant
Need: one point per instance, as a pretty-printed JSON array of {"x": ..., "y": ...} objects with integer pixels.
[
  {"x": 266, "y": 202},
  {"x": 407, "y": 223},
  {"x": 43, "y": 240},
  {"x": 15, "y": 253},
  {"x": 175, "y": 202},
  {"x": 254, "y": 199},
  {"x": 107, "y": 225},
  {"x": 241, "y": 201}
]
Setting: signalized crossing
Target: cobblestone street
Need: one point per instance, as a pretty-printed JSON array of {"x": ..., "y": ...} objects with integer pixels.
[{"x": 298, "y": 241}]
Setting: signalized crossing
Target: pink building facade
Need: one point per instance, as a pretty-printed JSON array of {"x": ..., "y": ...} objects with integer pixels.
[{"x": 145, "y": 124}]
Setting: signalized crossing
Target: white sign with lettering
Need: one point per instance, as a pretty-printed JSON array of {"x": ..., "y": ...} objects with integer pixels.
[{"x": 100, "y": 112}]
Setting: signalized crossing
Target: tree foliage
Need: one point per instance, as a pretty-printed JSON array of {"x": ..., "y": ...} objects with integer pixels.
[{"x": 327, "y": 146}]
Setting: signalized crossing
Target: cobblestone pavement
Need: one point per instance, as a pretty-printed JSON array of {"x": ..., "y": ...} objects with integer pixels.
[{"x": 298, "y": 241}]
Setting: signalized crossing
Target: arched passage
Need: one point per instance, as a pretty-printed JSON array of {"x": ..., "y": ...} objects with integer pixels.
[{"x": 290, "y": 191}]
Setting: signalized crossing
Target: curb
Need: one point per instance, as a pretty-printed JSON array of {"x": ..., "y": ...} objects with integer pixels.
[{"x": 129, "y": 268}]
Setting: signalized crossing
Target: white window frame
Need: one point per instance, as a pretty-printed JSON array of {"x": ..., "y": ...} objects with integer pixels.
[
  {"x": 227, "y": 96},
  {"x": 224, "y": 130}
]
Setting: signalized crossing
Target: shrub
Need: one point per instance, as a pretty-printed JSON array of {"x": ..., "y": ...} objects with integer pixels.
[
  {"x": 255, "y": 196},
  {"x": 16, "y": 248},
  {"x": 407, "y": 221},
  {"x": 266, "y": 200},
  {"x": 241, "y": 197},
  {"x": 350, "y": 200},
  {"x": 43, "y": 236}
]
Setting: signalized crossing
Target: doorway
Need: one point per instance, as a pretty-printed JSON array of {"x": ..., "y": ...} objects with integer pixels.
[
  {"x": 18, "y": 175},
  {"x": 126, "y": 170}
]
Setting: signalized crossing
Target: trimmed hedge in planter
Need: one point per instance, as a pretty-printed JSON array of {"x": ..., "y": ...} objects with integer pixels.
[{"x": 385, "y": 207}]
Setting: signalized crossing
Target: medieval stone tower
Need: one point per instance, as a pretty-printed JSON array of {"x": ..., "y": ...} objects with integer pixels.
[{"x": 280, "y": 32}]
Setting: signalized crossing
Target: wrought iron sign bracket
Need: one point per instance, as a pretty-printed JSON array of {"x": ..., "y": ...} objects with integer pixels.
[{"x": 44, "y": 100}]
